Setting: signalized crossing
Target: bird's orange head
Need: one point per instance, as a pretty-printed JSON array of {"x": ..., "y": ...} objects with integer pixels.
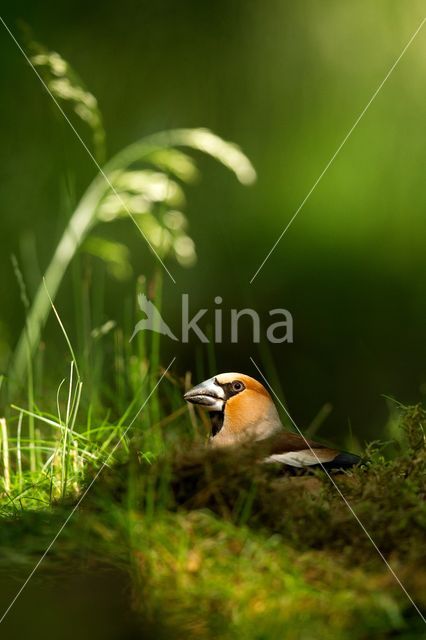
[{"x": 241, "y": 407}]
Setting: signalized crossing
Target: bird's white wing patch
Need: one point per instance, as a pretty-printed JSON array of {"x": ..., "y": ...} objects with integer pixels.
[{"x": 302, "y": 458}]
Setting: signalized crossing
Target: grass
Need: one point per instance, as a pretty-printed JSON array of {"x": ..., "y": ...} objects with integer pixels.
[
  {"x": 223, "y": 545},
  {"x": 212, "y": 544}
]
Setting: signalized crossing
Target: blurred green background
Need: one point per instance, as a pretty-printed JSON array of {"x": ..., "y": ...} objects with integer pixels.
[{"x": 285, "y": 81}]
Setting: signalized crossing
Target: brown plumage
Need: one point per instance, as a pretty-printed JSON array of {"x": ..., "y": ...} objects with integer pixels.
[{"x": 242, "y": 411}]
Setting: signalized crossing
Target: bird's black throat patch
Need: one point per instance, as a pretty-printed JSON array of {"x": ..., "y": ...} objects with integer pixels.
[{"x": 216, "y": 418}]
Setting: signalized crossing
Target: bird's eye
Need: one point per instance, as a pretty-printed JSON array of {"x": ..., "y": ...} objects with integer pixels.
[{"x": 237, "y": 386}]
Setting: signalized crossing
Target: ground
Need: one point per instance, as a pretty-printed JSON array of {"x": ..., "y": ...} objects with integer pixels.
[{"x": 198, "y": 544}]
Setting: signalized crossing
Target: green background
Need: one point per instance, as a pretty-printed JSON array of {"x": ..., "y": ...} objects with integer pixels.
[{"x": 285, "y": 81}]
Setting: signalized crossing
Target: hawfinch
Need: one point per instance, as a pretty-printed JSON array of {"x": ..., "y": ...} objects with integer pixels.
[{"x": 242, "y": 410}]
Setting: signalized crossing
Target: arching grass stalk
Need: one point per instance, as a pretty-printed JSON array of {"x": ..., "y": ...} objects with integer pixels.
[{"x": 85, "y": 216}]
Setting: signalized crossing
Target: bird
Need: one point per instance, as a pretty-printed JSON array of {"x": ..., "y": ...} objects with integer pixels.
[{"x": 242, "y": 411}]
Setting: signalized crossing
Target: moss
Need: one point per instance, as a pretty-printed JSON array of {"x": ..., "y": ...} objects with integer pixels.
[
  {"x": 224, "y": 546},
  {"x": 218, "y": 545}
]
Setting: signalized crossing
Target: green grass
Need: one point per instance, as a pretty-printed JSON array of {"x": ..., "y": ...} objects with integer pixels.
[{"x": 215, "y": 544}]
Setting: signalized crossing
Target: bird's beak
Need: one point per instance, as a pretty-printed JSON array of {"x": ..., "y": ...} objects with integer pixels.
[{"x": 209, "y": 394}]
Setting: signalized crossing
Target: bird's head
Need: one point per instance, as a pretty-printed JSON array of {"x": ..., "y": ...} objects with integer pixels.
[{"x": 240, "y": 406}]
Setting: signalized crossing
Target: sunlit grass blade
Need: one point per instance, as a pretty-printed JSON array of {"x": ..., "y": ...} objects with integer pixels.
[
  {"x": 18, "y": 451},
  {"x": 5, "y": 448}
]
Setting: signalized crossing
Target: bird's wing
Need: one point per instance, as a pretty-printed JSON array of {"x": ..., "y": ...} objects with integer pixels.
[
  {"x": 295, "y": 451},
  {"x": 303, "y": 458}
]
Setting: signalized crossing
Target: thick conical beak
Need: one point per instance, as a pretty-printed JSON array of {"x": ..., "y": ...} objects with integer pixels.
[{"x": 208, "y": 394}]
